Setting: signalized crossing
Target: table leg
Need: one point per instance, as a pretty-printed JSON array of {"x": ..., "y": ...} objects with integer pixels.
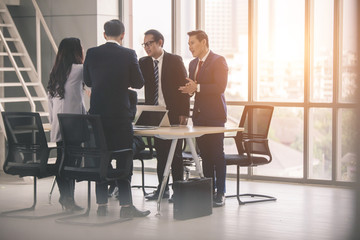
[
  {"x": 195, "y": 156},
  {"x": 166, "y": 173}
]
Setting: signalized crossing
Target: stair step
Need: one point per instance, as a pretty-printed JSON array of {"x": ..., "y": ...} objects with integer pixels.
[
  {"x": 9, "y": 69},
  {"x": 11, "y": 39},
  {"x": 44, "y": 114},
  {"x": 21, "y": 99},
  {"x": 13, "y": 99},
  {"x": 14, "y": 54},
  {"x": 39, "y": 99},
  {"x": 6, "y": 25},
  {"x": 17, "y": 84}
]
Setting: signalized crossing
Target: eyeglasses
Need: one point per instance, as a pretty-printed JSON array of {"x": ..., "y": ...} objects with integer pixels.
[{"x": 147, "y": 44}]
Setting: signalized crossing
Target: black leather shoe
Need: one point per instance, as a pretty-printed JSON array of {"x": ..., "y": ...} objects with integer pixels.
[
  {"x": 155, "y": 195},
  {"x": 68, "y": 204},
  {"x": 132, "y": 211},
  {"x": 219, "y": 200},
  {"x": 102, "y": 211}
]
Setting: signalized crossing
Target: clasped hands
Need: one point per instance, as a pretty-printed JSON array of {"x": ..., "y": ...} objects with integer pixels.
[{"x": 190, "y": 87}]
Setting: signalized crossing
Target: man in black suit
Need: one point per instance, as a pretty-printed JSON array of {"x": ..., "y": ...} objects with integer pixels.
[
  {"x": 110, "y": 70},
  {"x": 164, "y": 73},
  {"x": 208, "y": 74}
]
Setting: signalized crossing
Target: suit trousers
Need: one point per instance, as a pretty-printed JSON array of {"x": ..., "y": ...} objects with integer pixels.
[
  {"x": 66, "y": 186},
  {"x": 211, "y": 148},
  {"x": 119, "y": 135},
  {"x": 162, "y": 148}
]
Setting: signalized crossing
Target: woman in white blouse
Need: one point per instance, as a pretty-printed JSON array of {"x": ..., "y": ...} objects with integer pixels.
[{"x": 66, "y": 95}]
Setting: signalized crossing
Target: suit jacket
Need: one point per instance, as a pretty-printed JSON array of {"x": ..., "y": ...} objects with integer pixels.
[
  {"x": 73, "y": 101},
  {"x": 210, "y": 104},
  {"x": 110, "y": 70},
  {"x": 173, "y": 74}
]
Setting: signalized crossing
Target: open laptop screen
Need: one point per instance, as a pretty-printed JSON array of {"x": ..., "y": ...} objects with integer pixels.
[{"x": 150, "y": 118}]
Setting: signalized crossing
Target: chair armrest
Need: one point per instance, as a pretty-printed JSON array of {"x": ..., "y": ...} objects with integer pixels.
[
  {"x": 248, "y": 142},
  {"x": 122, "y": 150}
]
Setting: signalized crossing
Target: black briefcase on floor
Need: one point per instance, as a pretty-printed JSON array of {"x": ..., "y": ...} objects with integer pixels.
[{"x": 192, "y": 198}]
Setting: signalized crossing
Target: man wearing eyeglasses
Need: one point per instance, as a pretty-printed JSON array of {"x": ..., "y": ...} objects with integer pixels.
[{"x": 164, "y": 73}]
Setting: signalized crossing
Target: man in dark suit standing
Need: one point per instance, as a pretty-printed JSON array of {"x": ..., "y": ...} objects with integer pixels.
[
  {"x": 208, "y": 74},
  {"x": 164, "y": 73},
  {"x": 110, "y": 70}
]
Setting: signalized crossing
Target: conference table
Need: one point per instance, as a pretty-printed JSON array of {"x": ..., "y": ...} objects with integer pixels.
[{"x": 181, "y": 132}]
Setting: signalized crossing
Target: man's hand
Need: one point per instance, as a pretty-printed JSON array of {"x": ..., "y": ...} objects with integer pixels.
[{"x": 189, "y": 88}]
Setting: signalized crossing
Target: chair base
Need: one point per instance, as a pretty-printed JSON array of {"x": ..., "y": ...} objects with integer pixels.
[
  {"x": 143, "y": 186},
  {"x": 265, "y": 198},
  {"x": 32, "y": 208},
  {"x": 52, "y": 189},
  {"x": 71, "y": 219}
]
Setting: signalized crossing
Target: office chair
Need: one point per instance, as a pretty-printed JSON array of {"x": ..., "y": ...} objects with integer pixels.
[
  {"x": 146, "y": 154},
  {"x": 28, "y": 152},
  {"x": 86, "y": 158},
  {"x": 252, "y": 146}
]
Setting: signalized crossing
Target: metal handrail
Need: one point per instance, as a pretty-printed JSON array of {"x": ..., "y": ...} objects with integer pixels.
[
  {"x": 40, "y": 19},
  {"x": 46, "y": 28}
]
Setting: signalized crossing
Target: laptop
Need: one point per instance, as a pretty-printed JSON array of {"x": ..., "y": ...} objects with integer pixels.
[{"x": 152, "y": 120}]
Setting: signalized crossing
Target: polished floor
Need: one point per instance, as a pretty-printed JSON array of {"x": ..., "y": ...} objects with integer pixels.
[{"x": 301, "y": 212}]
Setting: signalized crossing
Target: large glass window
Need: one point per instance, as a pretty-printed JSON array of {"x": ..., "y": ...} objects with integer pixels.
[
  {"x": 321, "y": 78},
  {"x": 285, "y": 143},
  {"x": 226, "y": 23},
  {"x": 347, "y": 145},
  {"x": 320, "y": 143},
  {"x": 350, "y": 54},
  {"x": 154, "y": 14},
  {"x": 186, "y": 24},
  {"x": 280, "y": 48},
  {"x": 301, "y": 131}
]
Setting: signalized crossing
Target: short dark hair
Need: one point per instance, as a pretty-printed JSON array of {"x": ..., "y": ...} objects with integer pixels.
[
  {"x": 114, "y": 28},
  {"x": 157, "y": 35},
  {"x": 200, "y": 35}
]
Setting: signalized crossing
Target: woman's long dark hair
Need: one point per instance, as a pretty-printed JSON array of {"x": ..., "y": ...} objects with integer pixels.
[{"x": 70, "y": 52}]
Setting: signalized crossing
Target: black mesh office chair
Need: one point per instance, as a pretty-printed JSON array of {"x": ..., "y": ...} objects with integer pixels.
[
  {"x": 28, "y": 152},
  {"x": 252, "y": 146},
  {"x": 87, "y": 158},
  {"x": 147, "y": 154}
]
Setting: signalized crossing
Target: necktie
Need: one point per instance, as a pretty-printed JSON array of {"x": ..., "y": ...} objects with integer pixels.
[
  {"x": 156, "y": 89},
  {"x": 197, "y": 74}
]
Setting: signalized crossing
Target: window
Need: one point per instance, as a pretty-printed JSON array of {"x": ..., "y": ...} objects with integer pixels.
[
  {"x": 186, "y": 23},
  {"x": 155, "y": 14},
  {"x": 304, "y": 120},
  {"x": 320, "y": 143},
  {"x": 321, "y": 76},
  {"x": 285, "y": 143},
  {"x": 349, "y": 55},
  {"x": 280, "y": 47},
  {"x": 348, "y": 147},
  {"x": 226, "y": 23}
]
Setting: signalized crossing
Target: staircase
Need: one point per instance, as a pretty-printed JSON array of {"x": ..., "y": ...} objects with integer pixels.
[{"x": 20, "y": 84}]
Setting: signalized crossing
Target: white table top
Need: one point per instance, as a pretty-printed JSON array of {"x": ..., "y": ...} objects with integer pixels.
[{"x": 184, "y": 131}]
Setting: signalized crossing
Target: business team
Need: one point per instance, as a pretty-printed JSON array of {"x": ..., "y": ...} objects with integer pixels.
[{"x": 110, "y": 69}]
